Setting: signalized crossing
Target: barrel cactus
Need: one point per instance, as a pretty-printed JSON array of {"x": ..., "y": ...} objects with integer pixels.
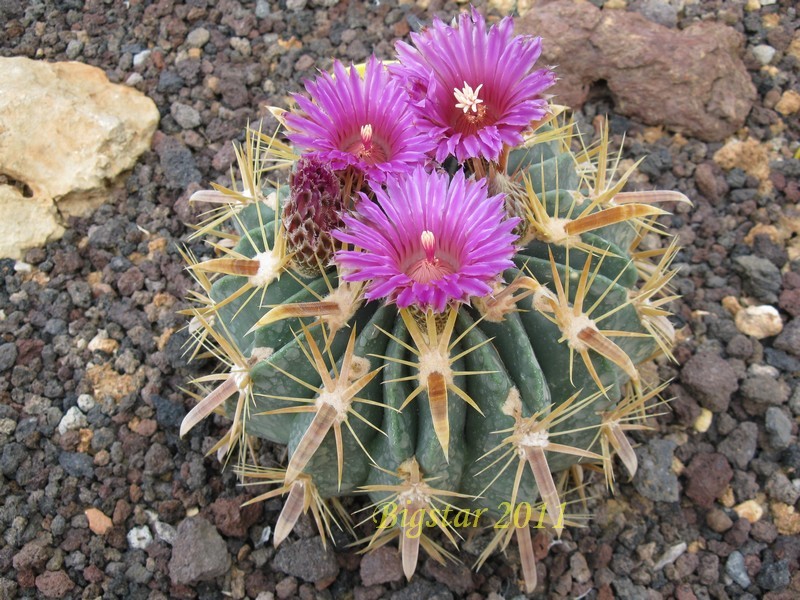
[{"x": 434, "y": 294}]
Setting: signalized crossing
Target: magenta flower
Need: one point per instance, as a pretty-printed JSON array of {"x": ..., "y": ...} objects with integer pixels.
[
  {"x": 474, "y": 90},
  {"x": 429, "y": 240},
  {"x": 364, "y": 122}
]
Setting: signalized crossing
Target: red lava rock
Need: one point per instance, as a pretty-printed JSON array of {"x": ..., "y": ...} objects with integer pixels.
[
  {"x": 718, "y": 521},
  {"x": 684, "y": 592},
  {"x": 170, "y": 511},
  {"x": 255, "y": 583},
  {"x": 181, "y": 592},
  {"x": 224, "y": 158},
  {"x": 33, "y": 555},
  {"x": 374, "y": 592},
  {"x": 739, "y": 533},
  {"x": 28, "y": 350},
  {"x": 601, "y": 558},
  {"x": 286, "y": 587},
  {"x": 456, "y": 577},
  {"x": 789, "y": 301},
  {"x": 709, "y": 475},
  {"x": 710, "y": 180},
  {"x": 655, "y": 74},
  {"x": 93, "y": 574},
  {"x": 711, "y": 379},
  {"x": 130, "y": 281},
  {"x": 26, "y": 578},
  {"x": 74, "y": 539},
  {"x": 382, "y": 565},
  {"x": 684, "y": 406},
  {"x": 232, "y": 519},
  {"x": 146, "y": 427},
  {"x": 54, "y": 584},
  {"x": 604, "y": 592},
  {"x": 122, "y": 511},
  {"x": 753, "y": 564}
]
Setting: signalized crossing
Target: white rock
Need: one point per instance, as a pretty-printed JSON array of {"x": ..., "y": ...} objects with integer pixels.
[
  {"x": 68, "y": 134},
  {"x": 139, "y": 538},
  {"x": 86, "y": 402},
  {"x": 763, "y": 53},
  {"x": 74, "y": 419},
  {"x": 759, "y": 321},
  {"x": 140, "y": 58},
  {"x": 165, "y": 532},
  {"x": 22, "y": 267},
  {"x": 764, "y": 370}
]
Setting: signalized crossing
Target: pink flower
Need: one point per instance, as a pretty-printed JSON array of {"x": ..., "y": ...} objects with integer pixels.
[
  {"x": 428, "y": 241},
  {"x": 363, "y": 122},
  {"x": 474, "y": 90}
]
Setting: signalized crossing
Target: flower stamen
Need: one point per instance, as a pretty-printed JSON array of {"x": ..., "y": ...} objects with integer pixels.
[
  {"x": 467, "y": 99},
  {"x": 366, "y": 136}
]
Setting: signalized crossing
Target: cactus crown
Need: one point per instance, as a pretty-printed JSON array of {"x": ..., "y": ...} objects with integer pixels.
[{"x": 450, "y": 322}]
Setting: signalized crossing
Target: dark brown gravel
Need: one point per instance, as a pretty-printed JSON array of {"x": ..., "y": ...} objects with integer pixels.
[{"x": 680, "y": 530}]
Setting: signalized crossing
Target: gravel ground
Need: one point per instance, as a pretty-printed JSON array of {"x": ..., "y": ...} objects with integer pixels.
[{"x": 91, "y": 359}]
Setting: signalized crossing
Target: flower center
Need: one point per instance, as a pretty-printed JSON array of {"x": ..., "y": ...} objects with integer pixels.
[
  {"x": 467, "y": 99},
  {"x": 430, "y": 267},
  {"x": 471, "y": 112},
  {"x": 366, "y": 147}
]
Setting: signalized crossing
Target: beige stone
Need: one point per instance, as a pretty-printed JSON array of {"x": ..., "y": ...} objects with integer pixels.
[
  {"x": 750, "y": 156},
  {"x": 786, "y": 519},
  {"x": 750, "y": 510},
  {"x": 703, "y": 422},
  {"x": 789, "y": 103},
  {"x": 67, "y": 135},
  {"x": 25, "y": 222},
  {"x": 99, "y": 523},
  {"x": 759, "y": 321}
]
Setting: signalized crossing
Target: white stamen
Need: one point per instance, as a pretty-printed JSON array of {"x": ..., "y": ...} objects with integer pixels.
[
  {"x": 366, "y": 134},
  {"x": 428, "y": 241},
  {"x": 467, "y": 98}
]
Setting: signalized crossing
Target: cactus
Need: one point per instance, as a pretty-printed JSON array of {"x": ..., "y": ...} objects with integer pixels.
[{"x": 449, "y": 327}]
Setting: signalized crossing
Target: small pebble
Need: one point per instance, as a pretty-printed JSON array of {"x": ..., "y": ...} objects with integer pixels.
[
  {"x": 198, "y": 38},
  {"x": 140, "y": 58},
  {"x": 73, "y": 419},
  {"x": 750, "y": 510},
  {"x": 737, "y": 570},
  {"x": 139, "y": 538},
  {"x": 703, "y": 421},
  {"x": 764, "y": 53},
  {"x": 759, "y": 321},
  {"x": 779, "y": 427},
  {"x": 185, "y": 116},
  {"x": 86, "y": 402}
]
